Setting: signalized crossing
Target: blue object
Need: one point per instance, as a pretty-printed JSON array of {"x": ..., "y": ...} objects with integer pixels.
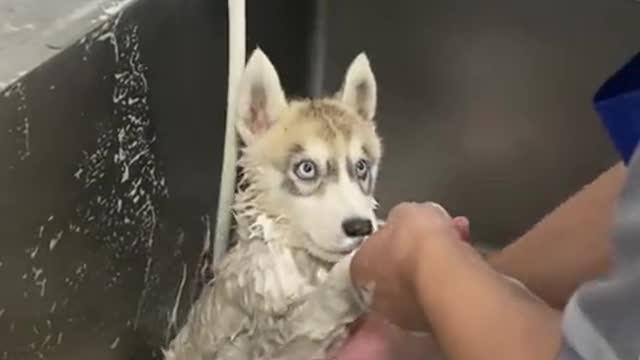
[{"x": 618, "y": 104}]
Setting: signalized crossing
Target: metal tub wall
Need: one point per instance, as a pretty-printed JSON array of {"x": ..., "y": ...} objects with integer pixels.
[
  {"x": 486, "y": 107},
  {"x": 111, "y": 157}
]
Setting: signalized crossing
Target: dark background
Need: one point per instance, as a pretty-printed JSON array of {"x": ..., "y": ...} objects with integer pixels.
[
  {"x": 486, "y": 106},
  {"x": 111, "y": 159}
]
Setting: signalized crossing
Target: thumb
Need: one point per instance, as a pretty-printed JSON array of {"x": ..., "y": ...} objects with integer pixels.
[
  {"x": 364, "y": 262},
  {"x": 461, "y": 223}
]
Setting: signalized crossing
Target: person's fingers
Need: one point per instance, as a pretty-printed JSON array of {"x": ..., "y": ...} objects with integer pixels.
[
  {"x": 378, "y": 339},
  {"x": 461, "y": 223},
  {"x": 370, "y": 342},
  {"x": 399, "y": 210},
  {"x": 438, "y": 207},
  {"x": 362, "y": 267}
]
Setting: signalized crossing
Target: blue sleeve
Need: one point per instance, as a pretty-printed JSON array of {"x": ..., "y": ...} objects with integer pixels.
[{"x": 617, "y": 102}]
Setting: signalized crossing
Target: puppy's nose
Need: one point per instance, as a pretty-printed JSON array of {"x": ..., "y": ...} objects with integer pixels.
[{"x": 357, "y": 227}]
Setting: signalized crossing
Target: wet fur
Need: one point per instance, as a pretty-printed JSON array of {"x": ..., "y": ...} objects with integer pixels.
[{"x": 284, "y": 287}]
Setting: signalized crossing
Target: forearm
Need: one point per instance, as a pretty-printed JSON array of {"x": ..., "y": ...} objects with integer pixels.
[
  {"x": 476, "y": 314},
  {"x": 569, "y": 246}
]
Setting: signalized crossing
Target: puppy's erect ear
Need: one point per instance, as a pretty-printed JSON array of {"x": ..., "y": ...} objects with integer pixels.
[
  {"x": 260, "y": 98},
  {"x": 359, "y": 89}
]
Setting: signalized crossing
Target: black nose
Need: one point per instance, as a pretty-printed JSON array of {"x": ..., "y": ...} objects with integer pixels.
[{"x": 355, "y": 227}]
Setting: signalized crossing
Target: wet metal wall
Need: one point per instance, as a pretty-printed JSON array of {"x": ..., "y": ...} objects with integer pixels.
[
  {"x": 486, "y": 106},
  {"x": 111, "y": 155}
]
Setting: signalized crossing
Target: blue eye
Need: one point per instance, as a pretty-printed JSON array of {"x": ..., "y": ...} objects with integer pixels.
[
  {"x": 305, "y": 170},
  {"x": 362, "y": 169}
]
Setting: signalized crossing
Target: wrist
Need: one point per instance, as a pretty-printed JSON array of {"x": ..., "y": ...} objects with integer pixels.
[
  {"x": 439, "y": 262},
  {"x": 497, "y": 260},
  {"x": 454, "y": 274}
]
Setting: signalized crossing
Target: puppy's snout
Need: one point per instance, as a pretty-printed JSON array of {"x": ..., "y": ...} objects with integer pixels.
[{"x": 357, "y": 227}]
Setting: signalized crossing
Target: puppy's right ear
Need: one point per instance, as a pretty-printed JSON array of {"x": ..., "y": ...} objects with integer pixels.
[
  {"x": 359, "y": 89},
  {"x": 260, "y": 98}
]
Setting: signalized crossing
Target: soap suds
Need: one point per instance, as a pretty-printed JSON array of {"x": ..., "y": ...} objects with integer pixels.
[
  {"x": 21, "y": 132},
  {"x": 119, "y": 213},
  {"x": 10, "y": 28},
  {"x": 114, "y": 344},
  {"x": 173, "y": 316}
]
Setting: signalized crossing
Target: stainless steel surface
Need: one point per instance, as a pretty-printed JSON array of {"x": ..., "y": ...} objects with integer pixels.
[
  {"x": 33, "y": 31},
  {"x": 486, "y": 106},
  {"x": 110, "y": 157}
]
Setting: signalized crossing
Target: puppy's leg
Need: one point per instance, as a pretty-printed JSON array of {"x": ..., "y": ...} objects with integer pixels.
[
  {"x": 239, "y": 349},
  {"x": 321, "y": 320}
]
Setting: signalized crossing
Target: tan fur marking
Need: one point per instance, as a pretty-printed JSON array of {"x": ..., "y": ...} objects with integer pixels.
[{"x": 326, "y": 119}]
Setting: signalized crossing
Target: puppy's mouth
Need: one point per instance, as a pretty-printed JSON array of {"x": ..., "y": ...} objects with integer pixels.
[
  {"x": 353, "y": 244},
  {"x": 332, "y": 254}
]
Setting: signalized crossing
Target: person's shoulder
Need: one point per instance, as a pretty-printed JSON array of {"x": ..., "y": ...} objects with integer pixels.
[
  {"x": 567, "y": 352},
  {"x": 601, "y": 320}
]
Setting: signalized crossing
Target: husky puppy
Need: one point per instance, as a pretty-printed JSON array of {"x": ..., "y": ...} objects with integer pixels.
[{"x": 305, "y": 203}]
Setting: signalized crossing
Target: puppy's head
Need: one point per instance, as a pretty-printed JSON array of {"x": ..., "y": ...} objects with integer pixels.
[{"x": 315, "y": 161}]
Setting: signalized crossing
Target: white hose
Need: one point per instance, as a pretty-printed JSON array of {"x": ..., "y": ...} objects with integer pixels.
[{"x": 237, "y": 60}]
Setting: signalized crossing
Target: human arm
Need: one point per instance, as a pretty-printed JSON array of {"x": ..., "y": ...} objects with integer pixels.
[
  {"x": 472, "y": 310},
  {"x": 475, "y": 313},
  {"x": 544, "y": 259},
  {"x": 567, "y": 247}
]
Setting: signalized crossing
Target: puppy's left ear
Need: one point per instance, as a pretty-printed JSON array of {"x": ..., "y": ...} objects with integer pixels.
[{"x": 359, "y": 89}]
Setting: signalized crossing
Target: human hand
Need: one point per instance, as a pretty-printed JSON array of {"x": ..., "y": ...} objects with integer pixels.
[
  {"x": 390, "y": 259},
  {"x": 373, "y": 338}
]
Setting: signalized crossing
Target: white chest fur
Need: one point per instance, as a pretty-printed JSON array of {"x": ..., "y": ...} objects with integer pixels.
[{"x": 268, "y": 299}]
